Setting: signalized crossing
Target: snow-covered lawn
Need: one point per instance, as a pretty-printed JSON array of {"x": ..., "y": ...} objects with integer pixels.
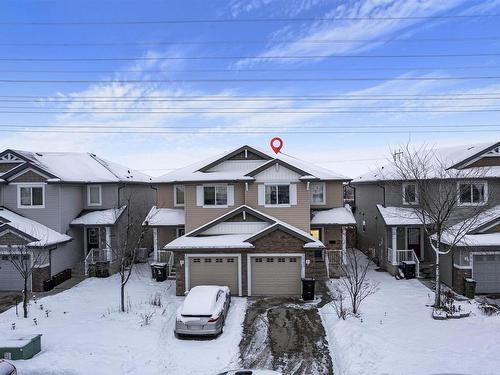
[
  {"x": 85, "y": 333},
  {"x": 396, "y": 335}
]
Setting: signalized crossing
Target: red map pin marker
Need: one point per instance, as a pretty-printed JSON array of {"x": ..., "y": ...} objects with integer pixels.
[{"x": 276, "y": 144}]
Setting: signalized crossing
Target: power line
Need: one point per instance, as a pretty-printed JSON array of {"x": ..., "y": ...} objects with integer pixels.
[
  {"x": 239, "y": 42},
  {"x": 251, "y": 80},
  {"x": 69, "y": 110},
  {"x": 241, "y": 20},
  {"x": 210, "y": 132},
  {"x": 252, "y": 127},
  {"x": 215, "y": 100},
  {"x": 274, "y": 96},
  {"x": 263, "y": 57},
  {"x": 245, "y": 112}
]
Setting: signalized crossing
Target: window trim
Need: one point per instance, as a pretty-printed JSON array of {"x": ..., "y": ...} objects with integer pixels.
[
  {"x": 177, "y": 230},
  {"x": 270, "y": 205},
  {"x": 30, "y": 185},
  {"x": 472, "y": 204},
  {"x": 311, "y": 196},
  {"x": 90, "y": 204},
  {"x": 215, "y": 205},
  {"x": 405, "y": 184},
  {"x": 175, "y": 195}
]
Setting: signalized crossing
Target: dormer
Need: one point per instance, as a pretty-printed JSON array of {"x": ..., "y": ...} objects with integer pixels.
[
  {"x": 9, "y": 160},
  {"x": 244, "y": 158}
]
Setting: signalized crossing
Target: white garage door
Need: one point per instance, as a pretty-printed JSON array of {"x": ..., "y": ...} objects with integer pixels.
[
  {"x": 214, "y": 270},
  {"x": 276, "y": 276},
  {"x": 487, "y": 273},
  {"x": 10, "y": 279}
]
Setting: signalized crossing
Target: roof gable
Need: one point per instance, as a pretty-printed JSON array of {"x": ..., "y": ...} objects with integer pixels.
[
  {"x": 242, "y": 153},
  {"x": 274, "y": 163},
  {"x": 278, "y": 227},
  {"x": 492, "y": 150},
  {"x": 24, "y": 168}
]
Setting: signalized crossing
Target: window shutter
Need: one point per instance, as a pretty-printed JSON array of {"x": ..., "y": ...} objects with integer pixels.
[
  {"x": 199, "y": 195},
  {"x": 262, "y": 194},
  {"x": 293, "y": 194},
  {"x": 230, "y": 195}
]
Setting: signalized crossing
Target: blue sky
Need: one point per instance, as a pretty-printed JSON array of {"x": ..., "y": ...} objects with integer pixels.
[{"x": 350, "y": 154}]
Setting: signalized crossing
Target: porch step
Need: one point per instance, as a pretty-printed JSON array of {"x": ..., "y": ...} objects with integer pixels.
[{"x": 78, "y": 269}]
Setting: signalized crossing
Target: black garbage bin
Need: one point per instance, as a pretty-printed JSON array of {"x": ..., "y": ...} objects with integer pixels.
[
  {"x": 408, "y": 269},
  {"x": 160, "y": 272},
  {"x": 48, "y": 285},
  {"x": 308, "y": 288}
]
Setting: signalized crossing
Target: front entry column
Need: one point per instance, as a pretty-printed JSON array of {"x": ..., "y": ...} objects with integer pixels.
[
  {"x": 394, "y": 243},
  {"x": 108, "y": 243},
  {"x": 344, "y": 245},
  {"x": 155, "y": 244}
]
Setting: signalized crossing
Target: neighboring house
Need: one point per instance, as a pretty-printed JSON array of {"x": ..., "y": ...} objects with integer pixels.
[
  {"x": 389, "y": 229},
  {"x": 252, "y": 221},
  {"x": 65, "y": 204}
]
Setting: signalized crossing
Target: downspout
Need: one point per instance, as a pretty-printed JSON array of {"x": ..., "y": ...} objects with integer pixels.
[{"x": 156, "y": 193}]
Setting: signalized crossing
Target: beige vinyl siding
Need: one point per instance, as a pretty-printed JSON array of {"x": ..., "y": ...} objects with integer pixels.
[
  {"x": 166, "y": 196},
  {"x": 334, "y": 195},
  {"x": 198, "y": 215},
  {"x": 166, "y": 235},
  {"x": 332, "y": 237},
  {"x": 298, "y": 215}
]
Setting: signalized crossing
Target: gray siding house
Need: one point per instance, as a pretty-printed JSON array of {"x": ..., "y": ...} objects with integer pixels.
[
  {"x": 390, "y": 231},
  {"x": 68, "y": 205}
]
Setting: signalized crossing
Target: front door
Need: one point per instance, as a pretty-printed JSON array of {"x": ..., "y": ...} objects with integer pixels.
[
  {"x": 318, "y": 234},
  {"x": 414, "y": 241},
  {"x": 92, "y": 239}
]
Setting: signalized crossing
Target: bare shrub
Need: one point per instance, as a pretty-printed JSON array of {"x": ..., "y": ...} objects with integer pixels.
[
  {"x": 338, "y": 296},
  {"x": 146, "y": 318}
]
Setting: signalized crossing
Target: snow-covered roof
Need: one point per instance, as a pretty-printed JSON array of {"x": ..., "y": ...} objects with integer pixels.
[
  {"x": 399, "y": 215},
  {"x": 43, "y": 235},
  {"x": 476, "y": 225},
  {"x": 161, "y": 217},
  {"x": 334, "y": 216},
  {"x": 450, "y": 156},
  {"x": 196, "y": 240},
  {"x": 194, "y": 171},
  {"x": 99, "y": 217},
  {"x": 82, "y": 167}
]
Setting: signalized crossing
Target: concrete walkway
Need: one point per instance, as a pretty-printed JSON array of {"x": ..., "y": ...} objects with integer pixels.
[{"x": 285, "y": 334}]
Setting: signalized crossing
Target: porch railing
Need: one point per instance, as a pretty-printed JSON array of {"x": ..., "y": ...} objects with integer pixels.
[
  {"x": 97, "y": 255},
  {"x": 396, "y": 257},
  {"x": 334, "y": 257},
  {"x": 166, "y": 256}
]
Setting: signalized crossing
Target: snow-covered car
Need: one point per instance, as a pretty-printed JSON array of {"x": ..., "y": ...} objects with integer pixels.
[
  {"x": 250, "y": 372},
  {"x": 7, "y": 368},
  {"x": 203, "y": 311}
]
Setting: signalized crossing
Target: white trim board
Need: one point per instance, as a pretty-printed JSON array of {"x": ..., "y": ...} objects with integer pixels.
[
  {"x": 211, "y": 255},
  {"x": 260, "y": 255}
]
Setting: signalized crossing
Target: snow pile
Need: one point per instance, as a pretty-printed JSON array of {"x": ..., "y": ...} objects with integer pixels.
[
  {"x": 399, "y": 215},
  {"x": 85, "y": 333},
  {"x": 397, "y": 335}
]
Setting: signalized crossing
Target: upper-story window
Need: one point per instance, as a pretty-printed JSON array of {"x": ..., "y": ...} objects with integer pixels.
[
  {"x": 94, "y": 195},
  {"x": 410, "y": 193},
  {"x": 277, "y": 194},
  {"x": 178, "y": 195},
  {"x": 472, "y": 193},
  {"x": 215, "y": 195},
  {"x": 318, "y": 192},
  {"x": 31, "y": 196}
]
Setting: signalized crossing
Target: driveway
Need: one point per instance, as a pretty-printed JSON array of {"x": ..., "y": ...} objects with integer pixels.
[{"x": 285, "y": 334}]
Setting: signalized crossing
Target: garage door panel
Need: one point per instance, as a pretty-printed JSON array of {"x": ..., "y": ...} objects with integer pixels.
[
  {"x": 214, "y": 271},
  {"x": 10, "y": 279},
  {"x": 487, "y": 273},
  {"x": 276, "y": 276}
]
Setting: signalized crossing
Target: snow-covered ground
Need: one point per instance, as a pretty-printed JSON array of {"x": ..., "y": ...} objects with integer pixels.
[
  {"x": 397, "y": 335},
  {"x": 85, "y": 333}
]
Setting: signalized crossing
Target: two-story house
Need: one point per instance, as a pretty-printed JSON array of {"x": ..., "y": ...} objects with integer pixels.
[
  {"x": 391, "y": 231},
  {"x": 255, "y": 222},
  {"x": 68, "y": 206}
]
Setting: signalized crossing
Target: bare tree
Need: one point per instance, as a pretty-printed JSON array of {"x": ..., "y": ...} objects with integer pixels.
[
  {"x": 25, "y": 260},
  {"x": 355, "y": 282},
  {"x": 129, "y": 237},
  {"x": 438, "y": 199}
]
